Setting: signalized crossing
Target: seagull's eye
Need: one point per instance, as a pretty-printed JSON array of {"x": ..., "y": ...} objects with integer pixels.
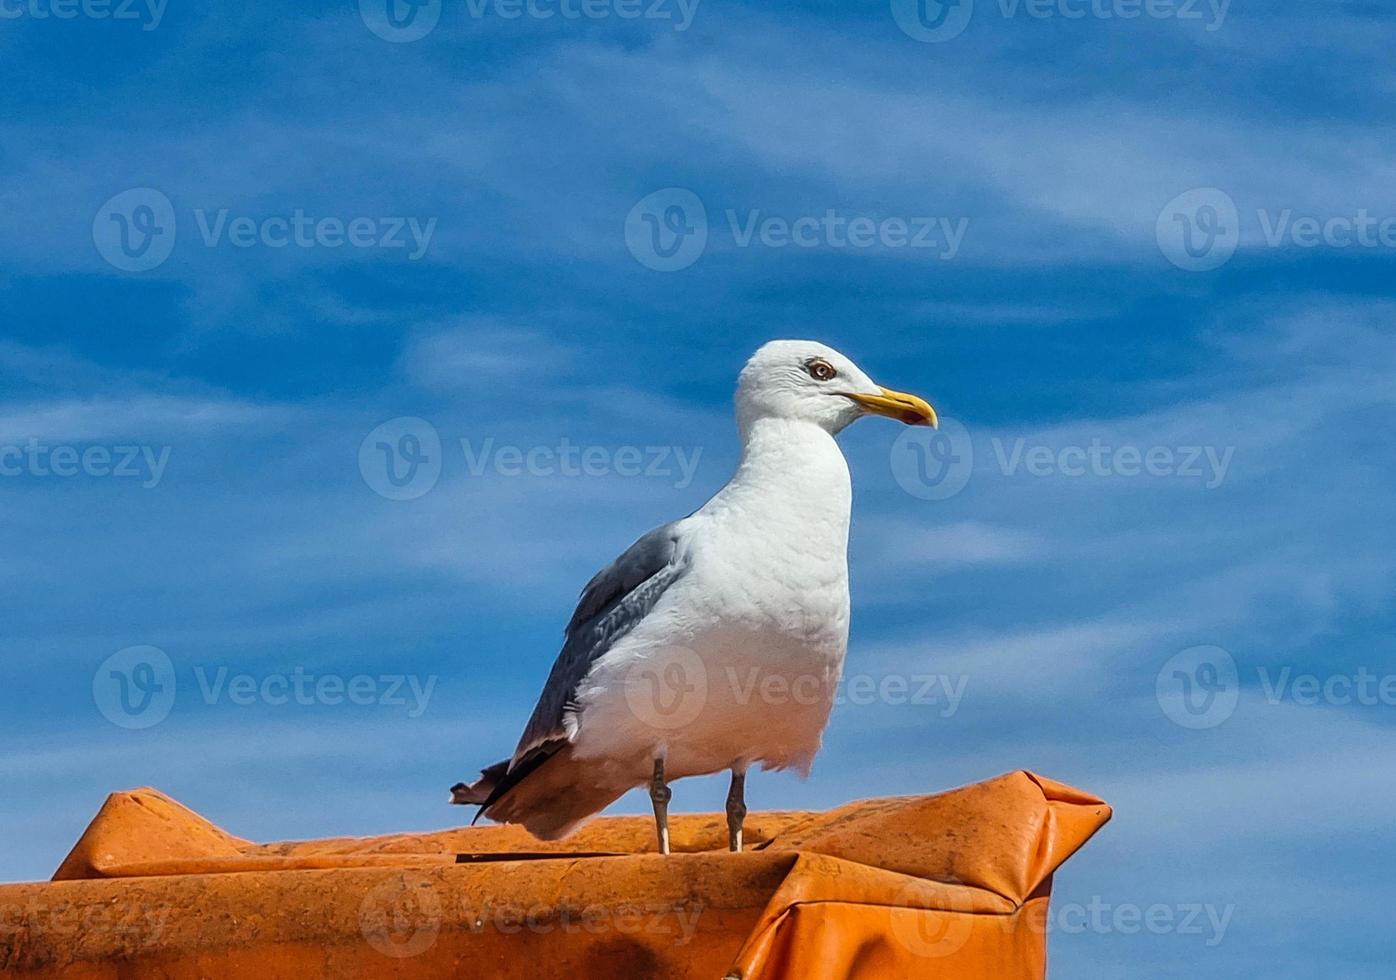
[{"x": 820, "y": 369}]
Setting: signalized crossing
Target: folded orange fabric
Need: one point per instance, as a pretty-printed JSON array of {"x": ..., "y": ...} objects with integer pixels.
[{"x": 951, "y": 885}]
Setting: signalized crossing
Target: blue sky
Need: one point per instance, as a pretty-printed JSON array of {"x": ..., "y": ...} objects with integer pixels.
[{"x": 1173, "y": 236}]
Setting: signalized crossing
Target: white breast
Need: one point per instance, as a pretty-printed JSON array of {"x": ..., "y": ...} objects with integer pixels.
[{"x": 739, "y": 661}]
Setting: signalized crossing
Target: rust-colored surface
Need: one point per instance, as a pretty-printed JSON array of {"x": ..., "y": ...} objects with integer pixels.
[{"x": 952, "y": 885}]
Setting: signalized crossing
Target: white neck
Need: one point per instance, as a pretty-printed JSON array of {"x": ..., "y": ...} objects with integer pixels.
[{"x": 791, "y": 472}]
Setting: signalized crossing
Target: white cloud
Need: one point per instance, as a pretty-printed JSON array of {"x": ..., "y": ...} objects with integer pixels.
[
  {"x": 134, "y": 418},
  {"x": 901, "y": 541},
  {"x": 484, "y": 358}
]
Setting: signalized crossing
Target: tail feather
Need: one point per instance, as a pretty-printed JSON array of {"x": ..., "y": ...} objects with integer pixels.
[
  {"x": 480, "y": 792},
  {"x": 551, "y": 794}
]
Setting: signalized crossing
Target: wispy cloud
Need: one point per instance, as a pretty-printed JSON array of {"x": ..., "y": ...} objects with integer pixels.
[
  {"x": 139, "y": 418},
  {"x": 485, "y": 358}
]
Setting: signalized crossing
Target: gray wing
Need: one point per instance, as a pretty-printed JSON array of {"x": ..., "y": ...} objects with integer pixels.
[{"x": 613, "y": 602}]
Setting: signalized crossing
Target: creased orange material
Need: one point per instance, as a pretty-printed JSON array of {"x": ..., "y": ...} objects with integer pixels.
[{"x": 952, "y": 885}]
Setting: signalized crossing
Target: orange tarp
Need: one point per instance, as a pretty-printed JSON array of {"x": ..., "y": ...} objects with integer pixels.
[{"x": 952, "y": 885}]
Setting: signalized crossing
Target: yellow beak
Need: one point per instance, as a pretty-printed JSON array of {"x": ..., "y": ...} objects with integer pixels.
[{"x": 899, "y": 405}]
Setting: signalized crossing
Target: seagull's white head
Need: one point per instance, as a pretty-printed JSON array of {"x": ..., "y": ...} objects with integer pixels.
[{"x": 808, "y": 381}]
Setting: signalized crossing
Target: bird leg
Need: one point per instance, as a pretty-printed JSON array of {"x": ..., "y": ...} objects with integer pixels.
[
  {"x": 736, "y": 810},
  {"x": 660, "y": 795}
]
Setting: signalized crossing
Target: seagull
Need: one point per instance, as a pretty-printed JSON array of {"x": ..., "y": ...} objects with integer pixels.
[{"x": 715, "y": 642}]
